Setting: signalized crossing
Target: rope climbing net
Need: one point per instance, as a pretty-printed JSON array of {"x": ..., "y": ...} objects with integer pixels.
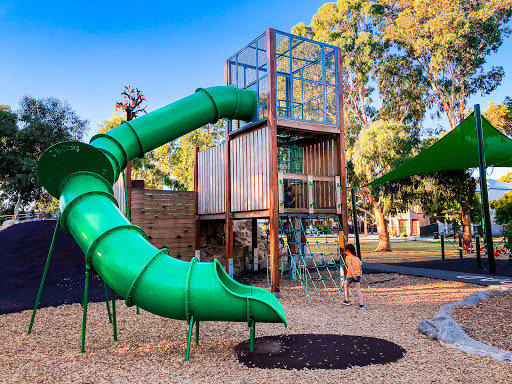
[{"x": 310, "y": 251}]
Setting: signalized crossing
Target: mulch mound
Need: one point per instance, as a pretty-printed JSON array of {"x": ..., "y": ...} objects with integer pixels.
[
  {"x": 23, "y": 251},
  {"x": 316, "y": 351},
  {"x": 466, "y": 264}
]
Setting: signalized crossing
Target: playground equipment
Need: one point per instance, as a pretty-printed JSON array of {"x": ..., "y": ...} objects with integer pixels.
[
  {"x": 81, "y": 176},
  {"x": 315, "y": 258},
  {"x": 295, "y": 142}
]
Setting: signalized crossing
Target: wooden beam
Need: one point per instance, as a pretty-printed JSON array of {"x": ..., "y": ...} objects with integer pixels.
[
  {"x": 305, "y": 126},
  {"x": 228, "y": 214},
  {"x": 273, "y": 183},
  {"x": 300, "y": 176},
  {"x": 248, "y": 128},
  {"x": 340, "y": 144},
  {"x": 250, "y": 215}
]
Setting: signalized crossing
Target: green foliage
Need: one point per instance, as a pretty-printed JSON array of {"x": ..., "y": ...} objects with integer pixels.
[
  {"x": 506, "y": 178},
  {"x": 450, "y": 41},
  {"x": 113, "y": 122},
  {"x": 46, "y": 203},
  {"x": 379, "y": 149},
  {"x": 171, "y": 165},
  {"x": 356, "y": 26},
  {"x": 500, "y": 117},
  {"x": 39, "y": 123},
  {"x": 179, "y": 154},
  {"x": 503, "y": 216}
]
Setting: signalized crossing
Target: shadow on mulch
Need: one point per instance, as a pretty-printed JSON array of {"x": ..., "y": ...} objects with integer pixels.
[
  {"x": 23, "y": 252},
  {"x": 466, "y": 264},
  {"x": 316, "y": 351}
]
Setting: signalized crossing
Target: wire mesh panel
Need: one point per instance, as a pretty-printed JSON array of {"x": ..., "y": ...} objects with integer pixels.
[
  {"x": 247, "y": 69},
  {"x": 306, "y": 80}
]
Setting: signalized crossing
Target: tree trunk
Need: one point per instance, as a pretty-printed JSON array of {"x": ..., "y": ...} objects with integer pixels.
[
  {"x": 382, "y": 229},
  {"x": 17, "y": 207},
  {"x": 466, "y": 223}
]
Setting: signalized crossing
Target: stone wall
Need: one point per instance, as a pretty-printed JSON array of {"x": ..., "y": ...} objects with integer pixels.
[{"x": 213, "y": 243}]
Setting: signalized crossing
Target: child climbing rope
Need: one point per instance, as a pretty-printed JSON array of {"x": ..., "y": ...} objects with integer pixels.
[{"x": 354, "y": 273}]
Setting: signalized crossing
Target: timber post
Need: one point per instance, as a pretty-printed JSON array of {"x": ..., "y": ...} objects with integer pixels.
[{"x": 273, "y": 182}]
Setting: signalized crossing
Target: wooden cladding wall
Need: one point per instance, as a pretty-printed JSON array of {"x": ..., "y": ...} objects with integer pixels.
[
  {"x": 212, "y": 180},
  {"x": 119, "y": 193},
  {"x": 320, "y": 159},
  {"x": 168, "y": 218},
  {"x": 250, "y": 171}
]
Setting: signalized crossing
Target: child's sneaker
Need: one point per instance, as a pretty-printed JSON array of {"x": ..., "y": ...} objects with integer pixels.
[
  {"x": 361, "y": 306},
  {"x": 345, "y": 302}
]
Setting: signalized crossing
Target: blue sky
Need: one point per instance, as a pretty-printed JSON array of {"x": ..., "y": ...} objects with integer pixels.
[{"x": 85, "y": 52}]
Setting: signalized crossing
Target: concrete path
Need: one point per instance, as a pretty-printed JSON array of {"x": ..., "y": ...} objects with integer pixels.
[{"x": 481, "y": 279}]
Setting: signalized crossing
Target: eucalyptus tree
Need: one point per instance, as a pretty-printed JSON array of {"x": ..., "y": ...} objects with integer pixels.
[
  {"x": 451, "y": 40},
  {"x": 370, "y": 70}
]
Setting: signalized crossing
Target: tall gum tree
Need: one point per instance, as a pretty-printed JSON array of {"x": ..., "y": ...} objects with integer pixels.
[
  {"x": 378, "y": 150},
  {"x": 450, "y": 40},
  {"x": 369, "y": 68}
]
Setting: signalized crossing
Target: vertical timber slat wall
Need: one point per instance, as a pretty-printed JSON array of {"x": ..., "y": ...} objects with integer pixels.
[
  {"x": 168, "y": 218},
  {"x": 212, "y": 180},
  {"x": 249, "y": 171}
]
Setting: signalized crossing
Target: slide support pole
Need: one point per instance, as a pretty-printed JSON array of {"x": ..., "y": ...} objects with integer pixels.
[
  {"x": 114, "y": 319},
  {"x": 189, "y": 338},
  {"x": 47, "y": 265},
  {"x": 106, "y": 300},
  {"x": 84, "y": 304},
  {"x": 253, "y": 333},
  {"x": 197, "y": 332}
]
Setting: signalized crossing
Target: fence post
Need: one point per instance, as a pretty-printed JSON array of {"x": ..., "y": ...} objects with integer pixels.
[
  {"x": 460, "y": 245},
  {"x": 442, "y": 246},
  {"x": 478, "y": 258}
]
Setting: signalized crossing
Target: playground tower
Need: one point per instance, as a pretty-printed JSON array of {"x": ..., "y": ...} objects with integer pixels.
[{"x": 295, "y": 142}]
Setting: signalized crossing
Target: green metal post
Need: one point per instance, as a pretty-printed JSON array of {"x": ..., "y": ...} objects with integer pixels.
[
  {"x": 356, "y": 229},
  {"x": 478, "y": 258},
  {"x": 442, "y": 246},
  {"x": 460, "y": 245},
  {"x": 189, "y": 338},
  {"x": 106, "y": 300},
  {"x": 197, "y": 332},
  {"x": 114, "y": 318},
  {"x": 47, "y": 265},
  {"x": 486, "y": 217},
  {"x": 84, "y": 303},
  {"x": 253, "y": 333}
]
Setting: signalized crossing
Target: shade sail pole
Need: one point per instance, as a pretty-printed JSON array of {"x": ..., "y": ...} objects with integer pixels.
[{"x": 486, "y": 219}]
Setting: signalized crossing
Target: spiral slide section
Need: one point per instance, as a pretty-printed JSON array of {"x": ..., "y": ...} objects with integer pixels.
[{"x": 81, "y": 177}]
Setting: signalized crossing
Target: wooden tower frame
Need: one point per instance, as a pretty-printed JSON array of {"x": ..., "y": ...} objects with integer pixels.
[{"x": 239, "y": 179}]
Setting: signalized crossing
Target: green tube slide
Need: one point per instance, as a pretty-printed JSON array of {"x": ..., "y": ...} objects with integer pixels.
[{"x": 81, "y": 177}]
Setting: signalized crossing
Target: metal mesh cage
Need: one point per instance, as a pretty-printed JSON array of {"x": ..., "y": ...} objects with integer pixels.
[
  {"x": 307, "y": 86},
  {"x": 248, "y": 69},
  {"x": 306, "y": 78}
]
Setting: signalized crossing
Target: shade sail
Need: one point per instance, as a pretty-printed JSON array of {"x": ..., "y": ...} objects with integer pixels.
[{"x": 457, "y": 150}]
